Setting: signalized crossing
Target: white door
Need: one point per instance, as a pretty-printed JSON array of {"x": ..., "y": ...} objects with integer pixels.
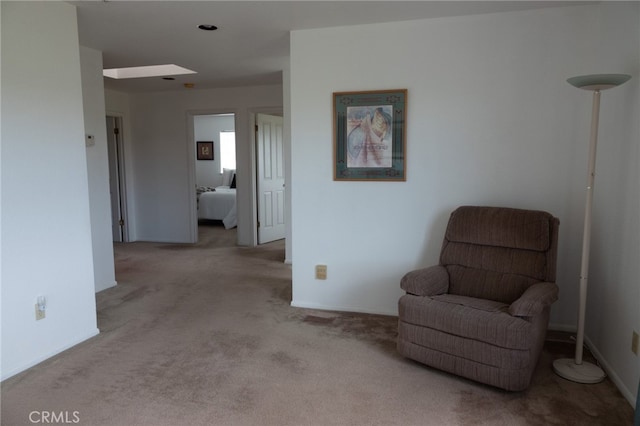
[{"x": 270, "y": 178}]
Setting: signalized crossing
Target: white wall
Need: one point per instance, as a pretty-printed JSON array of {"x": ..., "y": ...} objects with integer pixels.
[
  {"x": 46, "y": 229},
  {"x": 208, "y": 128},
  {"x": 480, "y": 130},
  {"x": 162, "y": 150},
  {"x": 614, "y": 289},
  {"x": 97, "y": 168},
  {"x": 491, "y": 121}
]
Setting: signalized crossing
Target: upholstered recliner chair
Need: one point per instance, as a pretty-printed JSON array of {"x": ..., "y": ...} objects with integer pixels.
[{"x": 482, "y": 313}]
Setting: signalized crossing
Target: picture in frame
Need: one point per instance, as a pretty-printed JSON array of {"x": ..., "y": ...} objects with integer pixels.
[
  {"x": 205, "y": 150},
  {"x": 369, "y": 135}
]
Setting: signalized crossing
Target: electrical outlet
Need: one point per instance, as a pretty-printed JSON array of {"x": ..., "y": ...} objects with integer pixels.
[
  {"x": 39, "y": 313},
  {"x": 321, "y": 272},
  {"x": 634, "y": 343}
]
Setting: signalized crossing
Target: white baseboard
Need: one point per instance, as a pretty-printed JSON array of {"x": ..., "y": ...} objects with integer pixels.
[
  {"x": 5, "y": 375},
  {"x": 305, "y": 305},
  {"x": 112, "y": 284},
  {"x": 611, "y": 373},
  {"x": 562, "y": 327}
]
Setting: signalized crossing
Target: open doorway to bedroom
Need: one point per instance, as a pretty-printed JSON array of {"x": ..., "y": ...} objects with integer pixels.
[{"x": 215, "y": 165}]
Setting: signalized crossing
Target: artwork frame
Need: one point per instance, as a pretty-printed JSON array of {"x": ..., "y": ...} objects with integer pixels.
[
  {"x": 369, "y": 135},
  {"x": 204, "y": 150}
]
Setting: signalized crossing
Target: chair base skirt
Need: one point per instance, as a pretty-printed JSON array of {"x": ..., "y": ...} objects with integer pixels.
[{"x": 511, "y": 380}]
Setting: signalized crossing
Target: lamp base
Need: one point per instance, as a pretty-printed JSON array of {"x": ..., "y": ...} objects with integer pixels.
[{"x": 579, "y": 373}]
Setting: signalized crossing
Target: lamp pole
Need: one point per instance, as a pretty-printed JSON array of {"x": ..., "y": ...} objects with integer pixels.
[{"x": 586, "y": 233}]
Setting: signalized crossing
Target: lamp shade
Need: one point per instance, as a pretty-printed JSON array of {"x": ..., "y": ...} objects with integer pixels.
[{"x": 598, "y": 81}]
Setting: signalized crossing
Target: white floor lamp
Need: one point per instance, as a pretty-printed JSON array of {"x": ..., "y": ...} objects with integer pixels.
[{"x": 575, "y": 369}]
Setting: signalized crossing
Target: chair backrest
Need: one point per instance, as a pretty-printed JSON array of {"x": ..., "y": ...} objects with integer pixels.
[{"x": 496, "y": 253}]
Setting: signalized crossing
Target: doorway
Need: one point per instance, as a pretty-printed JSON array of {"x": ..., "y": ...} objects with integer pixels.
[
  {"x": 246, "y": 131},
  {"x": 215, "y": 173},
  {"x": 115, "y": 147},
  {"x": 218, "y": 129}
]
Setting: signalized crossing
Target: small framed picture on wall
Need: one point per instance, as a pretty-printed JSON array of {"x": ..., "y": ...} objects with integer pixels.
[{"x": 205, "y": 150}]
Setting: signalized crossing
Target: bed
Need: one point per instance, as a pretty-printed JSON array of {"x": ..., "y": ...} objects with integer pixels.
[{"x": 219, "y": 204}]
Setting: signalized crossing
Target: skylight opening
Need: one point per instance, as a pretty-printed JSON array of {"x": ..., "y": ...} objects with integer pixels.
[{"x": 148, "y": 71}]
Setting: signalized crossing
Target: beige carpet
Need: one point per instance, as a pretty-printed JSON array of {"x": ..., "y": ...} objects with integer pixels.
[{"x": 204, "y": 335}]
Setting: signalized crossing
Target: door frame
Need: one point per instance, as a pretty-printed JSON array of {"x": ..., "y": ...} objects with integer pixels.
[
  {"x": 251, "y": 184},
  {"x": 122, "y": 175},
  {"x": 191, "y": 163}
]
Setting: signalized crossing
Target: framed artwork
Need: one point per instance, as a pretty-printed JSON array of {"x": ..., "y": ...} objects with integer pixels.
[
  {"x": 369, "y": 135},
  {"x": 205, "y": 150}
]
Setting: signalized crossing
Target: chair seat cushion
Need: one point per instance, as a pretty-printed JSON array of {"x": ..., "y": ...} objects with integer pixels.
[
  {"x": 472, "y": 302},
  {"x": 482, "y": 320}
]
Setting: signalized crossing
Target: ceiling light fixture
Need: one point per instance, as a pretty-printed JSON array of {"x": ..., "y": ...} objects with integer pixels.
[{"x": 207, "y": 27}]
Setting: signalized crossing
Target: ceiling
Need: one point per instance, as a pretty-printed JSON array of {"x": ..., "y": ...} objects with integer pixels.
[{"x": 251, "y": 45}]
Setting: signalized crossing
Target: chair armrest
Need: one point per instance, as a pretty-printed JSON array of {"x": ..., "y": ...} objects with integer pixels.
[
  {"x": 427, "y": 281},
  {"x": 534, "y": 300}
]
